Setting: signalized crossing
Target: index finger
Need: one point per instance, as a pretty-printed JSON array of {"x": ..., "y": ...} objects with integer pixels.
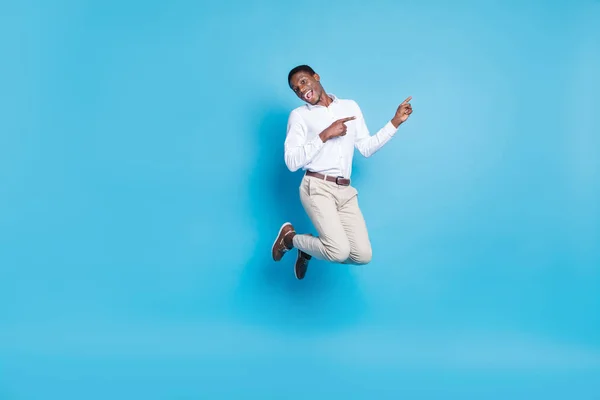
[
  {"x": 346, "y": 119},
  {"x": 407, "y": 100}
]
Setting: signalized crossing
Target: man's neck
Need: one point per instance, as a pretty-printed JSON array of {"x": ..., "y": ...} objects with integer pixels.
[{"x": 325, "y": 100}]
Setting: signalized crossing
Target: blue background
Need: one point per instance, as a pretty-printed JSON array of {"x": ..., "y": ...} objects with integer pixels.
[{"x": 142, "y": 181}]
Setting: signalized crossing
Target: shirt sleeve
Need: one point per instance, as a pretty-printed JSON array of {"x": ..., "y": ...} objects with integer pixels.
[
  {"x": 298, "y": 149},
  {"x": 366, "y": 144}
]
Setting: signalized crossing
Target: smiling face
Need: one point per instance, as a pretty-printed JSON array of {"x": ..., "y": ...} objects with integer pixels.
[{"x": 307, "y": 87}]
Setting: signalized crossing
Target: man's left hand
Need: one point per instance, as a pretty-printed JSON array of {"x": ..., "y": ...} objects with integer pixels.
[{"x": 403, "y": 112}]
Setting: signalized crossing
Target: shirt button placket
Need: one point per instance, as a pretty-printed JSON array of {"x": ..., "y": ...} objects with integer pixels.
[
  {"x": 339, "y": 148},
  {"x": 339, "y": 142}
]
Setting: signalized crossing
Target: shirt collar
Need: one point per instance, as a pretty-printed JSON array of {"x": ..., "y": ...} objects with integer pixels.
[{"x": 333, "y": 96}]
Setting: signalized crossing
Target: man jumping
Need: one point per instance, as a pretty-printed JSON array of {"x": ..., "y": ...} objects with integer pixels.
[{"x": 321, "y": 138}]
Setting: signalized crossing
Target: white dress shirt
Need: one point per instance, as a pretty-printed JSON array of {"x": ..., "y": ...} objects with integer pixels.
[{"x": 305, "y": 149}]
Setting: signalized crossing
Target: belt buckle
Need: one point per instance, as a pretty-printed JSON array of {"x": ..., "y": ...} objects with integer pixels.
[{"x": 337, "y": 178}]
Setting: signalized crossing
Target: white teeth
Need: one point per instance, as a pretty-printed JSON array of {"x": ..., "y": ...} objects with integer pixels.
[{"x": 307, "y": 93}]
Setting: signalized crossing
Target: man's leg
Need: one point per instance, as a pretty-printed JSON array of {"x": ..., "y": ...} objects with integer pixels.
[
  {"x": 319, "y": 199},
  {"x": 355, "y": 227}
]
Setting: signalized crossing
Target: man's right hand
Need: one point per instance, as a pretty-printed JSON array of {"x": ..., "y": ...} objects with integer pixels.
[{"x": 338, "y": 128}]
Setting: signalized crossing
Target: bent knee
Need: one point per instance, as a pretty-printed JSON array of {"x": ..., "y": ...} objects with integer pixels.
[
  {"x": 338, "y": 252},
  {"x": 362, "y": 256}
]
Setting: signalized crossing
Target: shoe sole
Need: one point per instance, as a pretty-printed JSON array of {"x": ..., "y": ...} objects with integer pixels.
[
  {"x": 277, "y": 237},
  {"x": 297, "y": 276},
  {"x": 296, "y": 270}
]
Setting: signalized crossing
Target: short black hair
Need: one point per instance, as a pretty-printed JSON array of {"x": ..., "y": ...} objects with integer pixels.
[{"x": 300, "y": 68}]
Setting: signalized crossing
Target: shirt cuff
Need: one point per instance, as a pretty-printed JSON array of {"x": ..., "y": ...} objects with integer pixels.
[
  {"x": 318, "y": 142},
  {"x": 390, "y": 129}
]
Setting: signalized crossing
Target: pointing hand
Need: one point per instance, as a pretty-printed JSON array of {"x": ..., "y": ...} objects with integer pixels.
[
  {"x": 403, "y": 112},
  {"x": 337, "y": 128}
]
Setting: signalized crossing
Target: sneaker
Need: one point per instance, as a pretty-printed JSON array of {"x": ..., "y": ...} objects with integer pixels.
[
  {"x": 279, "y": 247},
  {"x": 301, "y": 264}
]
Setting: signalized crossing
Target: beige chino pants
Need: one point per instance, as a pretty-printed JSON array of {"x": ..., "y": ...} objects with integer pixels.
[{"x": 334, "y": 212}]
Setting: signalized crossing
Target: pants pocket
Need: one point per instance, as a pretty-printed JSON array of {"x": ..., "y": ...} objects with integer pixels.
[
  {"x": 308, "y": 187},
  {"x": 312, "y": 187},
  {"x": 305, "y": 187}
]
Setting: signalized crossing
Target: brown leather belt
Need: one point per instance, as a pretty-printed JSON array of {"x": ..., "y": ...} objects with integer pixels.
[{"x": 337, "y": 179}]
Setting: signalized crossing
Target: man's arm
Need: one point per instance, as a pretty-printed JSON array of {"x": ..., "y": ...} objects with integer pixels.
[
  {"x": 368, "y": 145},
  {"x": 298, "y": 151}
]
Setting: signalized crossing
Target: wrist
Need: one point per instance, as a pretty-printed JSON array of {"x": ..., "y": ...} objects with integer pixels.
[
  {"x": 396, "y": 122},
  {"x": 324, "y": 136}
]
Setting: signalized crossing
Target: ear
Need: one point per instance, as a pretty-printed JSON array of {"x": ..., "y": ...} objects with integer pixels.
[{"x": 317, "y": 77}]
